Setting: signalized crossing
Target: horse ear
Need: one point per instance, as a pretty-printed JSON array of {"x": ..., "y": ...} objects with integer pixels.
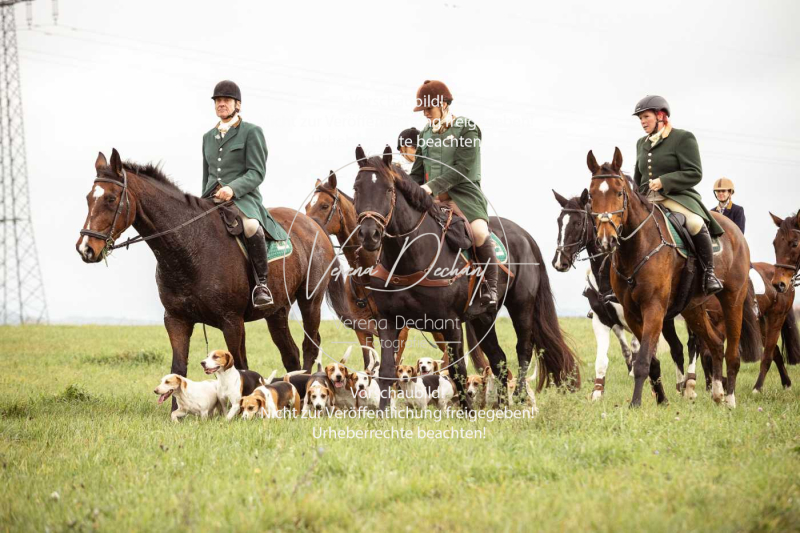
[
  {"x": 591, "y": 162},
  {"x": 116, "y": 162},
  {"x": 387, "y": 156},
  {"x": 797, "y": 219},
  {"x": 563, "y": 201},
  {"x": 317, "y": 183},
  {"x": 584, "y": 197},
  {"x": 361, "y": 157},
  {"x": 101, "y": 162},
  {"x": 617, "y": 162},
  {"x": 777, "y": 220},
  {"x": 332, "y": 179}
]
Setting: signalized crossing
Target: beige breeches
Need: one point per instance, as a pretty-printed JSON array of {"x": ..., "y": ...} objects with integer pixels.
[
  {"x": 251, "y": 225},
  {"x": 480, "y": 231},
  {"x": 694, "y": 223}
]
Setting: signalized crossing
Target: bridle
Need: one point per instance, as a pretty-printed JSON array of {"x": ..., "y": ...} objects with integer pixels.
[
  {"x": 334, "y": 207},
  {"x": 795, "y": 269},
  {"x": 108, "y": 237},
  {"x": 382, "y": 220},
  {"x": 582, "y": 242},
  {"x": 606, "y": 217}
]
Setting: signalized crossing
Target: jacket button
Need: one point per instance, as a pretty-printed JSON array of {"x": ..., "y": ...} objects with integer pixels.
[
  {"x": 650, "y": 173},
  {"x": 219, "y": 179},
  {"x": 220, "y": 159},
  {"x": 647, "y": 160},
  {"x": 220, "y": 149},
  {"x": 648, "y": 155},
  {"x": 219, "y": 170},
  {"x": 649, "y": 167}
]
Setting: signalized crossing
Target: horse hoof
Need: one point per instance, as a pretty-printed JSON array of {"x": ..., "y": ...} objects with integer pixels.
[
  {"x": 688, "y": 391},
  {"x": 717, "y": 391},
  {"x": 596, "y": 395},
  {"x": 756, "y": 391},
  {"x": 787, "y": 386},
  {"x": 730, "y": 401}
]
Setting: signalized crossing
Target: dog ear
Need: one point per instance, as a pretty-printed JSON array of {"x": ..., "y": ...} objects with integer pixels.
[
  {"x": 416, "y": 367},
  {"x": 330, "y": 397},
  {"x": 414, "y": 372},
  {"x": 509, "y": 375},
  {"x": 183, "y": 381},
  {"x": 437, "y": 366},
  {"x": 487, "y": 372},
  {"x": 228, "y": 360}
]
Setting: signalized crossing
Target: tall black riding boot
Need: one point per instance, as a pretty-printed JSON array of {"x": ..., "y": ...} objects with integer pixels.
[
  {"x": 257, "y": 249},
  {"x": 702, "y": 244},
  {"x": 487, "y": 259}
]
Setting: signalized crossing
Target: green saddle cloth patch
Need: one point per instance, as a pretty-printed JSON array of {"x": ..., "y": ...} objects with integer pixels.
[
  {"x": 500, "y": 250},
  {"x": 275, "y": 249},
  {"x": 716, "y": 245}
]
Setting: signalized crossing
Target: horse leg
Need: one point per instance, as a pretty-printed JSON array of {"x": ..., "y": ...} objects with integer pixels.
[
  {"x": 785, "y": 381},
  {"x": 773, "y": 328},
  {"x": 233, "y": 331},
  {"x": 733, "y": 332},
  {"x": 479, "y": 360},
  {"x": 401, "y": 344},
  {"x": 180, "y": 333},
  {"x": 496, "y": 355},
  {"x": 522, "y": 319},
  {"x": 647, "y": 364},
  {"x": 364, "y": 340},
  {"x": 278, "y": 324},
  {"x": 676, "y": 351},
  {"x": 388, "y": 370},
  {"x": 697, "y": 320},
  {"x": 627, "y": 353},
  {"x": 458, "y": 368},
  {"x": 691, "y": 377},
  {"x": 310, "y": 311},
  {"x": 601, "y": 335},
  {"x": 438, "y": 339}
]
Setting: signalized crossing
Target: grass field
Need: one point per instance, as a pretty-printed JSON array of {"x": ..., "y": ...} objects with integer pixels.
[{"x": 85, "y": 446}]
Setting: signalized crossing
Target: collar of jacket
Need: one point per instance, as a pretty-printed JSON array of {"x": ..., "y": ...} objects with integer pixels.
[
  {"x": 664, "y": 135},
  {"x": 729, "y": 205},
  {"x": 228, "y": 136}
]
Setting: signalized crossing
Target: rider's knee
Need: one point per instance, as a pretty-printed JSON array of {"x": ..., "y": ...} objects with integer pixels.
[
  {"x": 480, "y": 230},
  {"x": 251, "y": 226}
]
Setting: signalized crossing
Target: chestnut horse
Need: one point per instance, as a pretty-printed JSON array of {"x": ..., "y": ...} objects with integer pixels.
[
  {"x": 646, "y": 273},
  {"x": 398, "y": 217},
  {"x": 334, "y": 210},
  {"x": 201, "y": 273}
]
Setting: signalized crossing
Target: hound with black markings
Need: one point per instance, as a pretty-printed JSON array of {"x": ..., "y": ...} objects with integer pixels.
[
  {"x": 233, "y": 383},
  {"x": 319, "y": 398},
  {"x": 271, "y": 400},
  {"x": 421, "y": 391}
]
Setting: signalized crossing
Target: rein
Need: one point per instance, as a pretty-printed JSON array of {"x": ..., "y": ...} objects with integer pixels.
[{"x": 109, "y": 237}]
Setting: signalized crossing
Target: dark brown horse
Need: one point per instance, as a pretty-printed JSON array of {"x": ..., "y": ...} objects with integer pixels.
[
  {"x": 202, "y": 275},
  {"x": 646, "y": 277},
  {"x": 334, "y": 210},
  {"x": 398, "y": 217}
]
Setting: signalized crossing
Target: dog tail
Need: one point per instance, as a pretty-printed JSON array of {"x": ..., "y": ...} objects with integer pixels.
[
  {"x": 791, "y": 338},
  {"x": 269, "y": 379},
  {"x": 318, "y": 361},
  {"x": 373, "y": 358},
  {"x": 346, "y": 355},
  {"x": 292, "y": 373}
]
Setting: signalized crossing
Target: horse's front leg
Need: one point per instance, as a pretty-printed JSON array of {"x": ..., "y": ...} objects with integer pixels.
[
  {"x": 646, "y": 364},
  {"x": 180, "y": 333},
  {"x": 603, "y": 339},
  {"x": 388, "y": 370},
  {"x": 233, "y": 331},
  {"x": 697, "y": 320},
  {"x": 676, "y": 351},
  {"x": 773, "y": 327}
]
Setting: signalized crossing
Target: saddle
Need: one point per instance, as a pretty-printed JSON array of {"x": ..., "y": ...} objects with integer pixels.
[{"x": 689, "y": 282}]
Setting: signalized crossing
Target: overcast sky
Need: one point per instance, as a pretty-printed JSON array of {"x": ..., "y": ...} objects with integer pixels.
[{"x": 545, "y": 83}]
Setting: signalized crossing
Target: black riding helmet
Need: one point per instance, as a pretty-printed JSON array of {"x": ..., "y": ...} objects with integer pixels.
[
  {"x": 227, "y": 89},
  {"x": 652, "y": 103},
  {"x": 412, "y": 134}
]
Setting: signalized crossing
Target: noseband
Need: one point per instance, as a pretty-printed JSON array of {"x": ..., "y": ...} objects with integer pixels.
[
  {"x": 108, "y": 237},
  {"x": 606, "y": 217}
]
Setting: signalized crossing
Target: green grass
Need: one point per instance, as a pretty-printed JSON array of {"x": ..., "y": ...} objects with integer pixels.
[{"x": 78, "y": 417}]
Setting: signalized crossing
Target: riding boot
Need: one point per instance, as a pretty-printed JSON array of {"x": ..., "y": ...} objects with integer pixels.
[
  {"x": 487, "y": 259},
  {"x": 702, "y": 244},
  {"x": 257, "y": 249}
]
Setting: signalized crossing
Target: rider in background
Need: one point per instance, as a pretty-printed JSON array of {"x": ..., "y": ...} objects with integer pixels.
[
  {"x": 450, "y": 170},
  {"x": 723, "y": 190},
  {"x": 407, "y": 146},
  {"x": 234, "y": 164},
  {"x": 667, "y": 169}
]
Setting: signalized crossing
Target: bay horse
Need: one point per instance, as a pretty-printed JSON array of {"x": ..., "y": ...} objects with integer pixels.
[
  {"x": 201, "y": 273},
  {"x": 646, "y": 273},
  {"x": 576, "y": 233},
  {"x": 334, "y": 210},
  {"x": 400, "y": 219}
]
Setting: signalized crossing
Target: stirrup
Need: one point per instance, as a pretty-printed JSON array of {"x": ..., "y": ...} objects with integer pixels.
[
  {"x": 267, "y": 294},
  {"x": 710, "y": 279}
]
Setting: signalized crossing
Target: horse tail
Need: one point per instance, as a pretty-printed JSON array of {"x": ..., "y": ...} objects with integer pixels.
[
  {"x": 337, "y": 297},
  {"x": 791, "y": 338},
  {"x": 479, "y": 360},
  {"x": 558, "y": 358},
  {"x": 750, "y": 346}
]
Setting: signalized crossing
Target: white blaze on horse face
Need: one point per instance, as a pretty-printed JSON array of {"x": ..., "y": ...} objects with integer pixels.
[
  {"x": 98, "y": 191},
  {"x": 315, "y": 199},
  {"x": 84, "y": 245},
  {"x": 564, "y": 223},
  {"x": 374, "y": 178},
  {"x": 604, "y": 187}
]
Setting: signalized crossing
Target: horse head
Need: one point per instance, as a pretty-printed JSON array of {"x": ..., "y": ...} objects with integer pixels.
[
  {"x": 375, "y": 197},
  {"x": 112, "y": 209},
  {"x": 325, "y": 205},
  {"x": 787, "y": 252},
  {"x": 574, "y": 230},
  {"x": 609, "y": 196}
]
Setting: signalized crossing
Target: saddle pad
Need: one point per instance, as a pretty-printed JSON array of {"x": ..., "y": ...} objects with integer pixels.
[
  {"x": 758, "y": 282},
  {"x": 275, "y": 249},
  {"x": 500, "y": 250},
  {"x": 716, "y": 244}
]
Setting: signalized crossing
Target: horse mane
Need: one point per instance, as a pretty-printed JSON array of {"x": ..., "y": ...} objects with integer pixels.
[
  {"x": 152, "y": 172},
  {"x": 413, "y": 193},
  {"x": 789, "y": 223}
]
